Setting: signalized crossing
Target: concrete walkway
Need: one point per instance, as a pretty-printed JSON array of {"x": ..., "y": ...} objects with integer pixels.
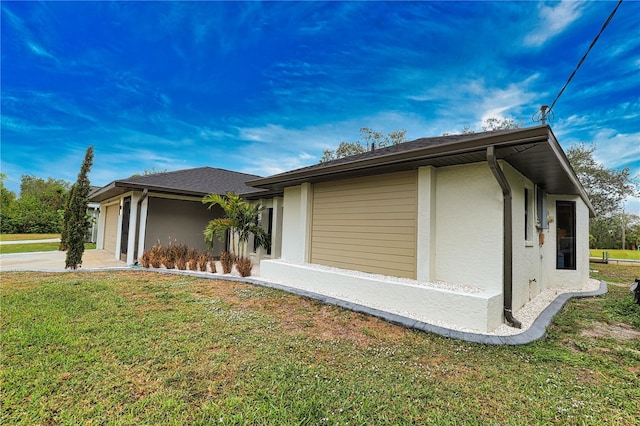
[
  {"x": 52, "y": 261},
  {"x": 48, "y": 240}
]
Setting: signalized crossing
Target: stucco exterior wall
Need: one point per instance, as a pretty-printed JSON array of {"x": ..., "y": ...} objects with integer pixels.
[
  {"x": 527, "y": 260},
  {"x": 564, "y": 278},
  {"x": 469, "y": 227},
  {"x": 474, "y": 311},
  {"x": 292, "y": 240}
]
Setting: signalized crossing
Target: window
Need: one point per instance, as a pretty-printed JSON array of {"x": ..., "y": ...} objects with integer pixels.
[
  {"x": 269, "y": 226},
  {"x": 541, "y": 209},
  {"x": 566, "y": 235}
]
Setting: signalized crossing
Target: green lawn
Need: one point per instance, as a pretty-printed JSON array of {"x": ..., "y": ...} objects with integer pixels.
[
  {"x": 33, "y": 247},
  {"x": 19, "y": 237},
  {"x": 137, "y": 347},
  {"x": 616, "y": 254}
]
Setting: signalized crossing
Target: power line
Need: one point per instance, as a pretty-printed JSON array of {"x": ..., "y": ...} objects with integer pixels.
[{"x": 548, "y": 111}]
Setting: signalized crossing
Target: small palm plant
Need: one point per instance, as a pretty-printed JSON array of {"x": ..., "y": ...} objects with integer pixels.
[{"x": 241, "y": 219}]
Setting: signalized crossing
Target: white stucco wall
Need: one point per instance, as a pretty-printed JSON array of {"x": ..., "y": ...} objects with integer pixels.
[
  {"x": 527, "y": 261},
  {"x": 293, "y": 237},
  {"x": 426, "y": 238},
  {"x": 481, "y": 311},
  {"x": 469, "y": 226},
  {"x": 565, "y": 278}
]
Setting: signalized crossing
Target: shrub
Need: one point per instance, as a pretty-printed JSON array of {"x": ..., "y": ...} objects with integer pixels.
[
  {"x": 181, "y": 263},
  {"x": 243, "y": 265},
  {"x": 203, "y": 259},
  {"x": 192, "y": 255},
  {"x": 181, "y": 251},
  {"x": 168, "y": 262},
  {"x": 156, "y": 255},
  {"x": 145, "y": 259},
  {"x": 226, "y": 260},
  {"x": 193, "y": 263}
]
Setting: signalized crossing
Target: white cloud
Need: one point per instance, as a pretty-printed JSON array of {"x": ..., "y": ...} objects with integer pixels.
[
  {"x": 40, "y": 51},
  {"x": 616, "y": 150},
  {"x": 553, "y": 19}
]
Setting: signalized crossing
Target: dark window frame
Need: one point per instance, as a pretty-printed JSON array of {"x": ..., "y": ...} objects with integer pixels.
[
  {"x": 566, "y": 235},
  {"x": 527, "y": 215}
]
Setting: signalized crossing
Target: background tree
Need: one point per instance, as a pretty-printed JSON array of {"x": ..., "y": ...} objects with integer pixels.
[
  {"x": 38, "y": 209},
  {"x": 607, "y": 190},
  {"x": 633, "y": 232},
  {"x": 146, "y": 172},
  {"x": 369, "y": 138},
  {"x": 491, "y": 124},
  {"x": 76, "y": 219},
  {"x": 7, "y": 199},
  {"x": 242, "y": 219}
]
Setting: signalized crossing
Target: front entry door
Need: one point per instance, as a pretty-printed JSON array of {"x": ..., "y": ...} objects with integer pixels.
[{"x": 124, "y": 236}]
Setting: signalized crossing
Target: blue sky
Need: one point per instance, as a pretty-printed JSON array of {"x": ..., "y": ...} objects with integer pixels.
[{"x": 266, "y": 87}]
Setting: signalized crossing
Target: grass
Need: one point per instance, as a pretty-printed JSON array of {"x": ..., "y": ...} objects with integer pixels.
[
  {"x": 135, "y": 347},
  {"x": 35, "y": 247},
  {"x": 20, "y": 237},
  {"x": 615, "y": 274},
  {"x": 616, "y": 254}
]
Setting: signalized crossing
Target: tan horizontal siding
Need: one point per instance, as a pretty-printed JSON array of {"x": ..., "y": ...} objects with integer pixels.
[
  {"x": 367, "y": 224},
  {"x": 367, "y": 238}
]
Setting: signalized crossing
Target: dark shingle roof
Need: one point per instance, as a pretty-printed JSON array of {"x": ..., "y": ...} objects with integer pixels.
[
  {"x": 414, "y": 145},
  {"x": 197, "y": 182},
  {"x": 533, "y": 151}
]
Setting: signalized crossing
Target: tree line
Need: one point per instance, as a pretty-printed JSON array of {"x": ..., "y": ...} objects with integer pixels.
[{"x": 38, "y": 210}]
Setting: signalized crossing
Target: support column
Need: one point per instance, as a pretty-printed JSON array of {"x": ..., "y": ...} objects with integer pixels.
[
  {"x": 276, "y": 228},
  {"x": 131, "y": 241},
  {"x": 142, "y": 227},
  {"x": 101, "y": 219},
  {"x": 306, "y": 204},
  {"x": 426, "y": 238}
]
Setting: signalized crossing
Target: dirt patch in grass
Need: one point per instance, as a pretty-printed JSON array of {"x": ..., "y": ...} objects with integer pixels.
[
  {"x": 616, "y": 331},
  {"x": 292, "y": 313}
]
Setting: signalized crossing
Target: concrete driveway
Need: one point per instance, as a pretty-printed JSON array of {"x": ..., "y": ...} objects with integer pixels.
[{"x": 51, "y": 261}]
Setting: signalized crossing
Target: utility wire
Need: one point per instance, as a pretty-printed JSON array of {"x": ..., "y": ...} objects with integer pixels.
[{"x": 585, "y": 55}]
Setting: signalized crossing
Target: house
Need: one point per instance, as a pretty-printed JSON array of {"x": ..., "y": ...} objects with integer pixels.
[
  {"x": 138, "y": 212},
  {"x": 462, "y": 229}
]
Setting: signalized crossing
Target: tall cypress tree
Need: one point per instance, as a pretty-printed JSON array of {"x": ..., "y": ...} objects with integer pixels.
[
  {"x": 76, "y": 219},
  {"x": 64, "y": 236}
]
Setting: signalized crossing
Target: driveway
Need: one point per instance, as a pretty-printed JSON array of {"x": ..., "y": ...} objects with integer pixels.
[{"x": 54, "y": 261}]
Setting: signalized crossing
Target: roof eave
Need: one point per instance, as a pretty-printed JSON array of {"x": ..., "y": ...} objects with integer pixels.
[
  {"x": 280, "y": 181},
  {"x": 568, "y": 169},
  {"x": 116, "y": 188}
]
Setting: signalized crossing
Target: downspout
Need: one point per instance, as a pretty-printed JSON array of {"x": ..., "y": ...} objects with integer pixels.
[
  {"x": 507, "y": 261},
  {"x": 145, "y": 193}
]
